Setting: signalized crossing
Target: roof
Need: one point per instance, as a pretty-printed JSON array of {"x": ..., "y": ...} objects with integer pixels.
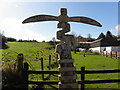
[
  {"x": 97, "y": 40},
  {"x": 86, "y": 42}
]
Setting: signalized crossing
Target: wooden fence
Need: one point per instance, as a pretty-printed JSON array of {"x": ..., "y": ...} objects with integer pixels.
[
  {"x": 20, "y": 60},
  {"x": 111, "y": 54},
  {"x": 82, "y": 73}
]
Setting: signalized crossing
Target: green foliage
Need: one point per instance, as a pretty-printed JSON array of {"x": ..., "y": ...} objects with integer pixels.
[
  {"x": 94, "y": 62},
  {"x": 101, "y": 36},
  {"x": 11, "y": 78},
  {"x": 3, "y": 40},
  {"x": 11, "y": 39},
  {"x": 108, "y": 34}
]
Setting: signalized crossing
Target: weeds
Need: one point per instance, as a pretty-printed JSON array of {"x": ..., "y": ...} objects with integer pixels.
[{"x": 11, "y": 78}]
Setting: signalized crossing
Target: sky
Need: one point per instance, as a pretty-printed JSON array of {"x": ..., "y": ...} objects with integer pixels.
[{"x": 13, "y": 13}]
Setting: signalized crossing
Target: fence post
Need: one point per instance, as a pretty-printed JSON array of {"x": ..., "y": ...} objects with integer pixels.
[
  {"x": 111, "y": 54},
  {"x": 20, "y": 63},
  {"x": 116, "y": 55},
  {"x": 103, "y": 53},
  {"x": 42, "y": 68},
  {"x": 25, "y": 75},
  {"x": 100, "y": 53},
  {"x": 49, "y": 62},
  {"x": 82, "y": 78},
  {"x": 106, "y": 53}
]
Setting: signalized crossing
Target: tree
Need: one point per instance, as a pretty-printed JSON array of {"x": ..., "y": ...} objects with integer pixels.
[
  {"x": 11, "y": 39},
  {"x": 108, "y": 34},
  {"x": 101, "y": 36},
  {"x": 53, "y": 39},
  {"x": 80, "y": 36},
  {"x": 3, "y": 40},
  {"x": 89, "y": 35}
]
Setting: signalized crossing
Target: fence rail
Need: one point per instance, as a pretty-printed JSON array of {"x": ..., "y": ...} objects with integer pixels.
[
  {"x": 78, "y": 72},
  {"x": 83, "y": 72},
  {"x": 111, "y": 54}
]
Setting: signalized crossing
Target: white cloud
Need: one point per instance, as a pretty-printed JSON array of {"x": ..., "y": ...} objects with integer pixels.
[
  {"x": 118, "y": 28},
  {"x": 16, "y": 6},
  {"x": 13, "y": 27},
  {"x": 116, "y": 31}
]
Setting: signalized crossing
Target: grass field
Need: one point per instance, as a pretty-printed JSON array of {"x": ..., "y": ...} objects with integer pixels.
[
  {"x": 97, "y": 62},
  {"x": 34, "y": 51}
]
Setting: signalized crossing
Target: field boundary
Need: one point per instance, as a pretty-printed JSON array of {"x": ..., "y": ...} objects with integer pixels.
[
  {"x": 111, "y": 54},
  {"x": 82, "y": 73}
]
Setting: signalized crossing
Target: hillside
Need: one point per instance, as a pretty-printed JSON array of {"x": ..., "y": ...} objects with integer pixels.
[{"x": 33, "y": 51}]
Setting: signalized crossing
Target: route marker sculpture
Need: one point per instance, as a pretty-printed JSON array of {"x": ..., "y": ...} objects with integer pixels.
[{"x": 67, "y": 70}]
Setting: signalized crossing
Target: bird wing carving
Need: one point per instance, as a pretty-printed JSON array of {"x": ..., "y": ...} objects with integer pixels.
[
  {"x": 39, "y": 18},
  {"x": 85, "y": 20}
]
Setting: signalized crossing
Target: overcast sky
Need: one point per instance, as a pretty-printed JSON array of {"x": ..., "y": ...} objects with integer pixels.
[{"x": 13, "y": 13}]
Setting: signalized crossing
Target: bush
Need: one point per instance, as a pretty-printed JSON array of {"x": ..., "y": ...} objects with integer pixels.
[
  {"x": 11, "y": 39},
  {"x": 3, "y": 40},
  {"x": 11, "y": 78}
]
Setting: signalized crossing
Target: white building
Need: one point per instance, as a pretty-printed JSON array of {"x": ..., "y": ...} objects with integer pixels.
[{"x": 108, "y": 49}]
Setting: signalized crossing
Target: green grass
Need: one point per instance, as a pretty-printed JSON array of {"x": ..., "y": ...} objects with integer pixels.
[
  {"x": 94, "y": 62},
  {"x": 34, "y": 51},
  {"x": 97, "y": 62}
]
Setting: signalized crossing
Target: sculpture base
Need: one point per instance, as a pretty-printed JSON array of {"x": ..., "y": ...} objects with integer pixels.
[
  {"x": 69, "y": 86},
  {"x": 67, "y": 75}
]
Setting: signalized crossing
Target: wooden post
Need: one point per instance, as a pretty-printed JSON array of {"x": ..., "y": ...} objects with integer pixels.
[
  {"x": 106, "y": 53},
  {"x": 82, "y": 78},
  {"x": 42, "y": 68},
  {"x": 84, "y": 54},
  {"x": 111, "y": 54},
  {"x": 116, "y": 55},
  {"x": 25, "y": 75},
  {"x": 49, "y": 62},
  {"x": 102, "y": 53},
  {"x": 20, "y": 63},
  {"x": 75, "y": 51}
]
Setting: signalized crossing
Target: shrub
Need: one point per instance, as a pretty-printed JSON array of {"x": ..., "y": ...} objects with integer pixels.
[
  {"x": 11, "y": 78},
  {"x": 3, "y": 40},
  {"x": 11, "y": 39}
]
